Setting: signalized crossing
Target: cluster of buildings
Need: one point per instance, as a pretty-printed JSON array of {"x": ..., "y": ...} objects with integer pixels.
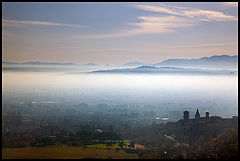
[
  {"x": 229, "y": 122},
  {"x": 197, "y": 115}
]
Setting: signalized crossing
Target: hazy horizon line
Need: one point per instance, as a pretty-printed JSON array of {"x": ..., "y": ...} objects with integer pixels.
[{"x": 133, "y": 61}]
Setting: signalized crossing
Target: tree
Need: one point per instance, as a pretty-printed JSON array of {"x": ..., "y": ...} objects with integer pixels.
[
  {"x": 132, "y": 144},
  {"x": 120, "y": 144}
]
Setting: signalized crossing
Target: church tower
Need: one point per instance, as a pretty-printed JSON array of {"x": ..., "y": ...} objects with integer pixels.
[
  {"x": 207, "y": 115},
  {"x": 185, "y": 115},
  {"x": 197, "y": 115}
]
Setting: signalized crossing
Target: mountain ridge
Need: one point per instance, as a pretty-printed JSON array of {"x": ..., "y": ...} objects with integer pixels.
[
  {"x": 215, "y": 61},
  {"x": 165, "y": 70},
  {"x": 40, "y": 63}
]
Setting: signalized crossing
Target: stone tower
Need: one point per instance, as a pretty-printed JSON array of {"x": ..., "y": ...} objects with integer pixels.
[
  {"x": 197, "y": 115},
  {"x": 186, "y": 115},
  {"x": 207, "y": 114}
]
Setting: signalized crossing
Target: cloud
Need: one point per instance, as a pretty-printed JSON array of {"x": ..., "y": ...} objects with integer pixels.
[
  {"x": 97, "y": 50},
  {"x": 198, "y": 14},
  {"x": 161, "y": 24},
  {"x": 161, "y": 9},
  {"x": 104, "y": 36},
  {"x": 205, "y": 45},
  {"x": 147, "y": 25},
  {"x": 16, "y": 23},
  {"x": 207, "y": 15},
  {"x": 156, "y": 9},
  {"x": 230, "y": 4},
  {"x": 175, "y": 17}
]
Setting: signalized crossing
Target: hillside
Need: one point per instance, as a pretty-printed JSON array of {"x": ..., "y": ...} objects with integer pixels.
[
  {"x": 40, "y": 63},
  {"x": 165, "y": 70},
  {"x": 222, "y": 61}
]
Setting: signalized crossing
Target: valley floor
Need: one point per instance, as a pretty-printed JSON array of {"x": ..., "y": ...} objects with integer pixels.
[{"x": 64, "y": 152}]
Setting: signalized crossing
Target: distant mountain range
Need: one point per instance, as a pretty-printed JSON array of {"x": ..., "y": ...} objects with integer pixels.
[
  {"x": 49, "y": 64},
  {"x": 39, "y": 63},
  {"x": 132, "y": 64},
  {"x": 217, "y": 62},
  {"x": 91, "y": 65},
  {"x": 222, "y": 61},
  {"x": 173, "y": 70},
  {"x": 139, "y": 69}
]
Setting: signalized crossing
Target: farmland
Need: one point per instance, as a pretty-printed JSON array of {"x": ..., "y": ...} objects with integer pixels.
[{"x": 64, "y": 152}]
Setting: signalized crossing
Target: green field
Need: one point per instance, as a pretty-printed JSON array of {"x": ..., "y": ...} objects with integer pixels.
[
  {"x": 113, "y": 146},
  {"x": 64, "y": 152},
  {"x": 104, "y": 145},
  {"x": 117, "y": 141}
]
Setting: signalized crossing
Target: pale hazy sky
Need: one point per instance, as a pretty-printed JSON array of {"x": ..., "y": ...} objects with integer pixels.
[{"x": 116, "y": 33}]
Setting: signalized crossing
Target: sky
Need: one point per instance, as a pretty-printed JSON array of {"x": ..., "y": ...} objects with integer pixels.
[{"x": 117, "y": 32}]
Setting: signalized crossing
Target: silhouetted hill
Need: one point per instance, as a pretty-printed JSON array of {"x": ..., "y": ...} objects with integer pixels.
[
  {"x": 39, "y": 63},
  {"x": 153, "y": 69},
  {"x": 132, "y": 64},
  {"x": 222, "y": 61},
  {"x": 91, "y": 65}
]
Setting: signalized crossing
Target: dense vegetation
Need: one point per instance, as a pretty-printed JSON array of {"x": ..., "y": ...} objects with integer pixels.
[{"x": 116, "y": 130}]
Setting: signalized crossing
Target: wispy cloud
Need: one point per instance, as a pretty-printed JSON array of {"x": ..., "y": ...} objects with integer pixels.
[
  {"x": 97, "y": 50},
  {"x": 205, "y": 45},
  {"x": 198, "y": 14},
  {"x": 147, "y": 25},
  {"x": 207, "y": 15},
  {"x": 175, "y": 17},
  {"x": 16, "y": 23},
  {"x": 230, "y": 4},
  {"x": 168, "y": 10}
]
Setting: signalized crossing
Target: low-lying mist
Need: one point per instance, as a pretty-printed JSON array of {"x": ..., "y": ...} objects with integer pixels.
[{"x": 215, "y": 93}]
